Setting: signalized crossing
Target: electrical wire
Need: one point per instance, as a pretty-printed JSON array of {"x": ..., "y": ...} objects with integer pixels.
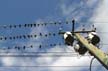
[
  {"x": 34, "y": 36},
  {"x": 31, "y": 25},
  {"x": 41, "y": 24},
  {"x": 40, "y": 52},
  {"x": 34, "y": 46},
  {"x": 26, "y": 36},
  {"x": 49, "y": 66},
  {"x": 91, "y": 63},
  {"x": 40, "y": 55}
]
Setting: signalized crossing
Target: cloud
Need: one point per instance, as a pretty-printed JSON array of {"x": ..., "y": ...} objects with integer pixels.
[
  {"x": 96, "y": 14},
  {"x": 81, "y": 10},
  {"x": 100, "y": 19},
  {"x": 6, "y": 61},
  {"x": 69, "y": 62}
]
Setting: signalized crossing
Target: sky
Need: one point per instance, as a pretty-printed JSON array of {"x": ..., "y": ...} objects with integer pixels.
[{"x": 15, "y": 12}]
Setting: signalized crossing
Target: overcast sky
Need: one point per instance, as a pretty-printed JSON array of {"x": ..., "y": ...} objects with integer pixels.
[{"x": 14, "y": 12}]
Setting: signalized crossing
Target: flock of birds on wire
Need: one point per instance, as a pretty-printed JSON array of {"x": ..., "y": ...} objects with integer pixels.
[
  {"x": 30, "y": 36},
  {"x": 30, "y": 25},
  {"x": 33, "y": 46}
]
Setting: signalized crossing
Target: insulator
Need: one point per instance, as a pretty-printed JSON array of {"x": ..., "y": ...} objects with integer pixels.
[
  {"x": 80, "y": 48},
  {"x": 69, "y": 39},
  {"x": 93, "y": 38}
]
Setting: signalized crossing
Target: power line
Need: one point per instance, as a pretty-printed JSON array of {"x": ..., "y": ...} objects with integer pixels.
[
  {"x": 29, "y": 36},
  {"x": 51, "y": 66},
  {"x": 91, "y": 63},
  {"x": 26, "y": 36},
  {"x": 31, "y": 25},
  {"x": 40, "y": 46},
  {"x": 39, "y": 52},
  {"x": 42, "y": 24},
  {"x": 34, "y": 46},
  {"x": 40, "y": 55}
]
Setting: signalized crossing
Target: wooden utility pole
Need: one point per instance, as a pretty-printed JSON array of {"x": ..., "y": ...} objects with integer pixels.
[{"x": 97, "y": 53}]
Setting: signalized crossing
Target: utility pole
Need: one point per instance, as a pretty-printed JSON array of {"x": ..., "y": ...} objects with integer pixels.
[
  {"x": 85, "y": 45},
  {"x": 97, "y": 53}
]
